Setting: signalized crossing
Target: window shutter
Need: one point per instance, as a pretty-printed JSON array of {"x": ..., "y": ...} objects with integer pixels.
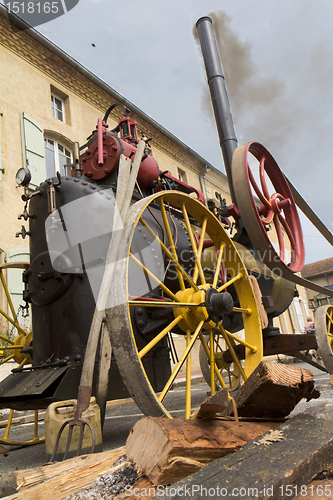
[{"x": 33, "y": 149}]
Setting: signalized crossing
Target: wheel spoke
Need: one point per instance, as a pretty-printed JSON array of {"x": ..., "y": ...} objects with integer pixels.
[
  {"x": 194, "y": 245},
  {"x": 200, "y": 247},
  {"x": 263, "y": 179},
  {"x": 180, "y": 362},
  {"x": 160, "y": 336},
  {"x": 218, "y": 265},
  {"x": 212, "y": 361},
  {"x": 236, "y": 360},
  {"x": 147, "y": 303},
  {"x": 242, "y": 310},
  {"x": 171, "y": 242},
  {"x": 280, "y": 236},
  {"x": 207, "y": 351},
  {"x": 9, "y": 299},
  {"x": 6, "y": 339},
  {"x": 230, "y": 282},
  {"x": 170, "y": 256},
  {"x": 258, "y": 191},
  {"x": 240, "y": 341},
  {"x": 153, "y": 277},
  {"x": 288, "y": 231},
  {"x": 330, "y": 320},
  {"x": 188, "y": 378},
  {"x": 7, "y": 359},
  {"x": 14, "y": 323}
]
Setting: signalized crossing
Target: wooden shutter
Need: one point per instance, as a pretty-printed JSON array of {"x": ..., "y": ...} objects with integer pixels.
[{"x": 33, "y": 149}]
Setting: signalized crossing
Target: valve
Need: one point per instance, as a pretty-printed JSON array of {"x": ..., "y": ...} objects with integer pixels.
[{"x": 23, "y": 233}]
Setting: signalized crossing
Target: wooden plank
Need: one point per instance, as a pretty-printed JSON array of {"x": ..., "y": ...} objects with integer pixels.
[
  {"x": 273, "y": 390},
  {"x": 303, "y": 448},
  {"x": 64, "y": 478},
  {"x": 169, "y": 449}
]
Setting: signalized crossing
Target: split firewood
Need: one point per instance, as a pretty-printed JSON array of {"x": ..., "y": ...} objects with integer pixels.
[
  {"x": 273, "y": 390},
  {"x": 60, "y": 479},
  {"x": 214, "y": 404},
  {"x": 170, "y": 449}
]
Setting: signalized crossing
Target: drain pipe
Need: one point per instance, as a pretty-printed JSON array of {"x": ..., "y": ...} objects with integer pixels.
[{"x": 202, "y": 185}]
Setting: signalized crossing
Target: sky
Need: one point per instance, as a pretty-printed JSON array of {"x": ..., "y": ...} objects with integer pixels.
[{"x": 278, "y": 62}]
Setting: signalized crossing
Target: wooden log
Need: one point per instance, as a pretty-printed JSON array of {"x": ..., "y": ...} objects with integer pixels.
[
  {"x": 60, "y": 479},
  {"x": 273, "y": 390},
  {"x": 169, "y": 449},
  {"x": 302, "y": 448}
]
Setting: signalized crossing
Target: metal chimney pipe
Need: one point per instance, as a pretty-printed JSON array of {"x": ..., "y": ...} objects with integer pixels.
[{"x": 219, "y": 96}]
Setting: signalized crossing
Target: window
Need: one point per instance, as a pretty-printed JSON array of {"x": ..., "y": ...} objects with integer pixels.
[
  {"x": 58, "y": 108},
  {"x": 182, "y": 175},
  {"x": 57, "y": 156}
]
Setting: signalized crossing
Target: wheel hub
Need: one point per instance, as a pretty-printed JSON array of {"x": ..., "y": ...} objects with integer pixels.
[{"x": 208, "y": 305}]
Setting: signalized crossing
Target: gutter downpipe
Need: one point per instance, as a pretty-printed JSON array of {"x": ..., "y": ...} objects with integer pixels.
[
  {"x": 203, "y": 187},
  {"x": 219, "y": 96}
]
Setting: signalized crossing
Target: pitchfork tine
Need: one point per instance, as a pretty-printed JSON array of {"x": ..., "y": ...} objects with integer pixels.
[{"x": 71, "y": 424}]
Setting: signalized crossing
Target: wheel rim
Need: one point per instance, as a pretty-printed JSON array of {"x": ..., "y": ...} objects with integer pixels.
[
  {"x": 324, "y": 335},
  {"x": 277, "y": 219},
  {"x": 11, "y": 346},
  {"x": 191, "y": 307}
]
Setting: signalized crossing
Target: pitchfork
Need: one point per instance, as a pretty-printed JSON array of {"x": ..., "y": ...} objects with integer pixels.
[{"x": 127, "y": 175}]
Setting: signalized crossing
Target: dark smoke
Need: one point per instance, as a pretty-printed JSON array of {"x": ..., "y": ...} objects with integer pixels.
[{"x": 260, "y": 105}]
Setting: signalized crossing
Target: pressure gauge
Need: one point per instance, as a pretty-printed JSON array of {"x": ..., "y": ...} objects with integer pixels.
[{"x": 23, "y": 177}]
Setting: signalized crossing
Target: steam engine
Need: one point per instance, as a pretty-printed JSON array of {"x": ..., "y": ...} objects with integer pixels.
[{"x": 70, "y": 227}]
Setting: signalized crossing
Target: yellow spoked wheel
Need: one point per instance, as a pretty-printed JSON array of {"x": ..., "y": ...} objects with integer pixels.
[
  {"x": 229, "y": 370},
  {"x": 163, "y": 292},
  {"x": 11, "y": 346},
  {"x": 324, "y": 335}
]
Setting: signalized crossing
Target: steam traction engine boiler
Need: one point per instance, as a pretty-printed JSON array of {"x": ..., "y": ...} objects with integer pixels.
[{"x": 177, "y": 272}]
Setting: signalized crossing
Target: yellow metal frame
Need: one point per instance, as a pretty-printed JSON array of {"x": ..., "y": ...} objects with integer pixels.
[{"x": 21, "y": 341}]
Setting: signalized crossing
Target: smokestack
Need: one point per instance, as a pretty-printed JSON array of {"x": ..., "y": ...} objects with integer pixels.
[{"x": 218, "y": 92}]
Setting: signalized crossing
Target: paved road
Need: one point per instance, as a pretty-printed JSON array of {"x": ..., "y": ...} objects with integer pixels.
[{"x": 120, "y": 419}]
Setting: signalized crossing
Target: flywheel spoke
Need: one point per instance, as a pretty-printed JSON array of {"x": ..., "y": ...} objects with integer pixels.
[
  {"x": 279, "y": 235},
  {"x": 258, "y": 192},
  {"x": 263, "y": 179}
]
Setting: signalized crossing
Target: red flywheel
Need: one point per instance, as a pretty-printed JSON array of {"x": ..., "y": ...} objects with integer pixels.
[{"x": 267, "y": 208}]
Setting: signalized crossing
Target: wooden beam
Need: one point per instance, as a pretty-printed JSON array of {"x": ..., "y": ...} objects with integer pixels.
[{"x": 302, "y": 447}]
